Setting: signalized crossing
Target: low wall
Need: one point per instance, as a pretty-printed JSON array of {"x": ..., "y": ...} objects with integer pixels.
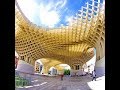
[{"x": 25, "y": 67}]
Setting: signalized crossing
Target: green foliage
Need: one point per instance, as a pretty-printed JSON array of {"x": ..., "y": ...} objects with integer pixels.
[
  {"x": 19, "y": 81},
  {"x": 66, "y": 72}
]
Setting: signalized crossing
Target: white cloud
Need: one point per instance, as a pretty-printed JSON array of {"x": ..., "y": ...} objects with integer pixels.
[
  {"x": 69, "y": 19},
  {"x": 64, "y": 2},
  {"x": 61, "y": 3},
  {"x": 48, "y": 17},
  {"x": 28, "y": 7},
  {"x": 48, "y": 12}
]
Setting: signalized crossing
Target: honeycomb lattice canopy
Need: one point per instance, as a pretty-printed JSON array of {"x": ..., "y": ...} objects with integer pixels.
[{"x": 67, "y": 44}]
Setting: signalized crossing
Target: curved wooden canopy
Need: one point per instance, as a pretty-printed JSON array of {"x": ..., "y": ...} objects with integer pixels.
[{"x": 68, "y": 44}]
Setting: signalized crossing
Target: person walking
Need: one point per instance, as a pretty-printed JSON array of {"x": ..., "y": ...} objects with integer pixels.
[
  {"x": 94, "y": 75},
  {"x": 61, "y": 77}
]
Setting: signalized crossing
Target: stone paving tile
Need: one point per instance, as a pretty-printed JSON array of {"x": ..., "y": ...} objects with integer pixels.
[{"x": 68, "y": 83}]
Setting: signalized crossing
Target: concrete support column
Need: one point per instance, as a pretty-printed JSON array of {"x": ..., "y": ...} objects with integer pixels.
[
  {"x": 32, "y": 62},
  {"x": 45, "y": 69},
  {"x": 25, "y": 67},
  {"x": 60, "y": 71},
  {"x": 100, "y": 67}
]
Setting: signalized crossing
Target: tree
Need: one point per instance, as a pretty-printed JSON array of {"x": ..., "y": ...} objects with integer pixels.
[{"x": 66, "y": 72}]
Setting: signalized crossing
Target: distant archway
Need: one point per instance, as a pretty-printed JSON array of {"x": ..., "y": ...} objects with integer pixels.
[
  {"x": 61, "y": 68},
  {"x": 38, "y": 66},
  {"x": 52, "y": 71},
  {"x": 89, "y": 65}
]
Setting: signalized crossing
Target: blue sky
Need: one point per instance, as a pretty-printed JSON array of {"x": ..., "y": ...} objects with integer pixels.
[{"x": 50, "y": 13}]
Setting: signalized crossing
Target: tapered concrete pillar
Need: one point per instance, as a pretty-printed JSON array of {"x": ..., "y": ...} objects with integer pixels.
[
  {"x": 100, "y": 67},
  {"x": 25, "y": 67},
  {"x": 45, "y": 69}
]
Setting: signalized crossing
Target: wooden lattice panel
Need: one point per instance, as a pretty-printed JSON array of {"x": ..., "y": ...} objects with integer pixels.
[{"x": 67, "y": 44}]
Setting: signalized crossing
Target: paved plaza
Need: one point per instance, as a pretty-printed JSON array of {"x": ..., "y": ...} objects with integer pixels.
[{"x": 68, "y": 83}]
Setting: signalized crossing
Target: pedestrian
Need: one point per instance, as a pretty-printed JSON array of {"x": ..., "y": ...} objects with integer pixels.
[
  {"x": 94, "y": 75},
  {"x": 88, "y": 70},
  {"x": 61, "y": 77}
]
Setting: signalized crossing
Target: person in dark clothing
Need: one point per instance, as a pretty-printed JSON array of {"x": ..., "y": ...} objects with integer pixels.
[
  {"x": 94, "y": 75},
  {"x": 62, "y": 77}
]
